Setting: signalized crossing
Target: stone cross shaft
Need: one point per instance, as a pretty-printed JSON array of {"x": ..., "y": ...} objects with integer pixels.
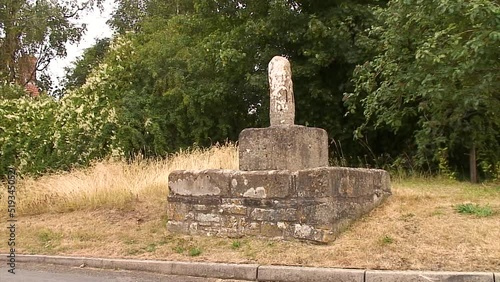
[{"x": 282, "y": 106}]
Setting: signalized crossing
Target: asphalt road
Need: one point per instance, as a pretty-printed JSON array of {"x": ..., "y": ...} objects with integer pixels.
[{"x": 56, "y": 273}]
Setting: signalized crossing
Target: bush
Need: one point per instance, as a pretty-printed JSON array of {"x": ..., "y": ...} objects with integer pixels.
[{"x": 43, "y": 134}]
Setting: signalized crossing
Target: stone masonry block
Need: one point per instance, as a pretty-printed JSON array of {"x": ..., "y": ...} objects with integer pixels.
[
  {"x": 211, "y": 182},
  {"x": 269, "y": 229},
  {"x": 290, "y": 147},
  {"x": 251, "y": 228},
  {"x": 341, "y": 182},
  {"x": 274, "y": 215},
  {"x": 209, "y": 201},
  {"x": 207, "y": 218},
  {"x": 177, "y": 211},
  {"x": 381, "y": 180},
  {"x": 320, "y": 214},
  {"x": 308, "y": 232},
  {"x": 262, "y": 184},
  {"x": 233, "y": 209}
]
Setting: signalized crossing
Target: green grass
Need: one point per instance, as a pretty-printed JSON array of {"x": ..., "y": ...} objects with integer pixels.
[
  {"x": 179, "y": 249},
  {"x": 150, "y": 248},
  {"x": 386, "y": 240},
  {"x": 49, "y": 238},
  {"x": 474, "y": 209},
  {"x": 236, "y": 245},
  {"x": 194, "y": 252}
]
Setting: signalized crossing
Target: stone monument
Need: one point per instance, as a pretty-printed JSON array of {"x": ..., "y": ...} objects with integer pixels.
[{"x": 284, "y": 187}]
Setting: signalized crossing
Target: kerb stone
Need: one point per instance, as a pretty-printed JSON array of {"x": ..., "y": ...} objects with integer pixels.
[
  {"x": 425, "y": 276},
  {"x": 291, "y": 147},
  {"x": 310, "y": 274}
]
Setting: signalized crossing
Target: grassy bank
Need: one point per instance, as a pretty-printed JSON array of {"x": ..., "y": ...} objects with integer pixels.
[
  {"x": 114, "y": 184},
  {"x": 114, "y": 209}
]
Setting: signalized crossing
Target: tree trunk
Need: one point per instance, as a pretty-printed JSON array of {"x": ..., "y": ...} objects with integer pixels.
[{"x": 472, "y": 164}]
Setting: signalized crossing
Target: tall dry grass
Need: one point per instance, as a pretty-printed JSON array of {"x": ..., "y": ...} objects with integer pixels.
[{"x": 114, "y": 184}]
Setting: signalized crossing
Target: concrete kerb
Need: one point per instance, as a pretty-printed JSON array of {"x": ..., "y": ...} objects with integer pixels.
[
  {"x": 197, "y": 269},
  {"x": 255, "y": 272},
  {"x": 310, "y": 274},
  {"x": 425, "y": 276}
]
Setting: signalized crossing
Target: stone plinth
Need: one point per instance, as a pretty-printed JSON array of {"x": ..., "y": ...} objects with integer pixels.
[
  {"x": 313, "y": 204},
  {"x": 284, "y": 187},
  {"x": 291, "y": 147}
]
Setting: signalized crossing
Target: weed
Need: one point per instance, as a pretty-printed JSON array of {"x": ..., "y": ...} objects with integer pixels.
[
  {"x": 179, "y": 249},
  {"x": 235, "y": 245},
  {"x": 386, "y": 240},
  {"x": 194, "y": 252},
  {"x": 477, "y": 210},
  {"x": 150, "y": 248}
]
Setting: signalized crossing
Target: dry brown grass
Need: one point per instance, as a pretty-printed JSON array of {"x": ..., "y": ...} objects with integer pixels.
[
  {"x": 417, "y": 228},
  {"x": 113, "y": 184}
]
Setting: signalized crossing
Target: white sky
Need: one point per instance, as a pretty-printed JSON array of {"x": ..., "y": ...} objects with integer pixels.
[{"x": 96, "y": 29}]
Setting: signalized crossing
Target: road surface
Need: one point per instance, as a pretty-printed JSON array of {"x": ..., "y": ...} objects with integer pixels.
[{"x": 56, "y": 273}]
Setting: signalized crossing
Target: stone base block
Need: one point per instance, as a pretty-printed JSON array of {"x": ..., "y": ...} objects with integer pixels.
[
  {"x": 312, "y": 204},
  {"x": 290, "y": 147}
]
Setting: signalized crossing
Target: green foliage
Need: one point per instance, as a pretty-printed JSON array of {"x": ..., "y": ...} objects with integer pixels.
[
  {"x": 386, "y": 240},
  {"x": 235, "y": 245},
  {"x": 40, "y": 134},
  {"x": 443, "y": 164},
  {"x": 194, "y": 252},
  {"x": 83, "y": 66},
  {"x": 48, "y": 238},
  {"x": 129, "y": 15},
  {"x": 179, "y": 249},
  {"x": 150, "y": 248},
  {"x": 184, "y": 73},
  {"x": 477, "y": 210},
  {"x": 194, "y": 70},
  {"x": 10, "y": 91},
  {"x": 436, "y": 79}
]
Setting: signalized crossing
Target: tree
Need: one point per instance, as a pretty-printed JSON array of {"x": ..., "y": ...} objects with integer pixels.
[
  {"x": 194, "y": 73},
  {"x": 437, "y": 76},
  {"x": 36, "y": 29},
  {"x": 129, "y": 15},
  {"x": 82, "y": 67}
]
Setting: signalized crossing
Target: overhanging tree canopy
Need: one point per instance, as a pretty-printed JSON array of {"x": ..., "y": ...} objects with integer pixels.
[{"x": 438, "y": 73}]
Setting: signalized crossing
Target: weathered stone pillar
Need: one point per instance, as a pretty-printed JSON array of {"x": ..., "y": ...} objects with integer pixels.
[
  {"x": 282, "y": 106},
  {"x": 283, "y": 145}
]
